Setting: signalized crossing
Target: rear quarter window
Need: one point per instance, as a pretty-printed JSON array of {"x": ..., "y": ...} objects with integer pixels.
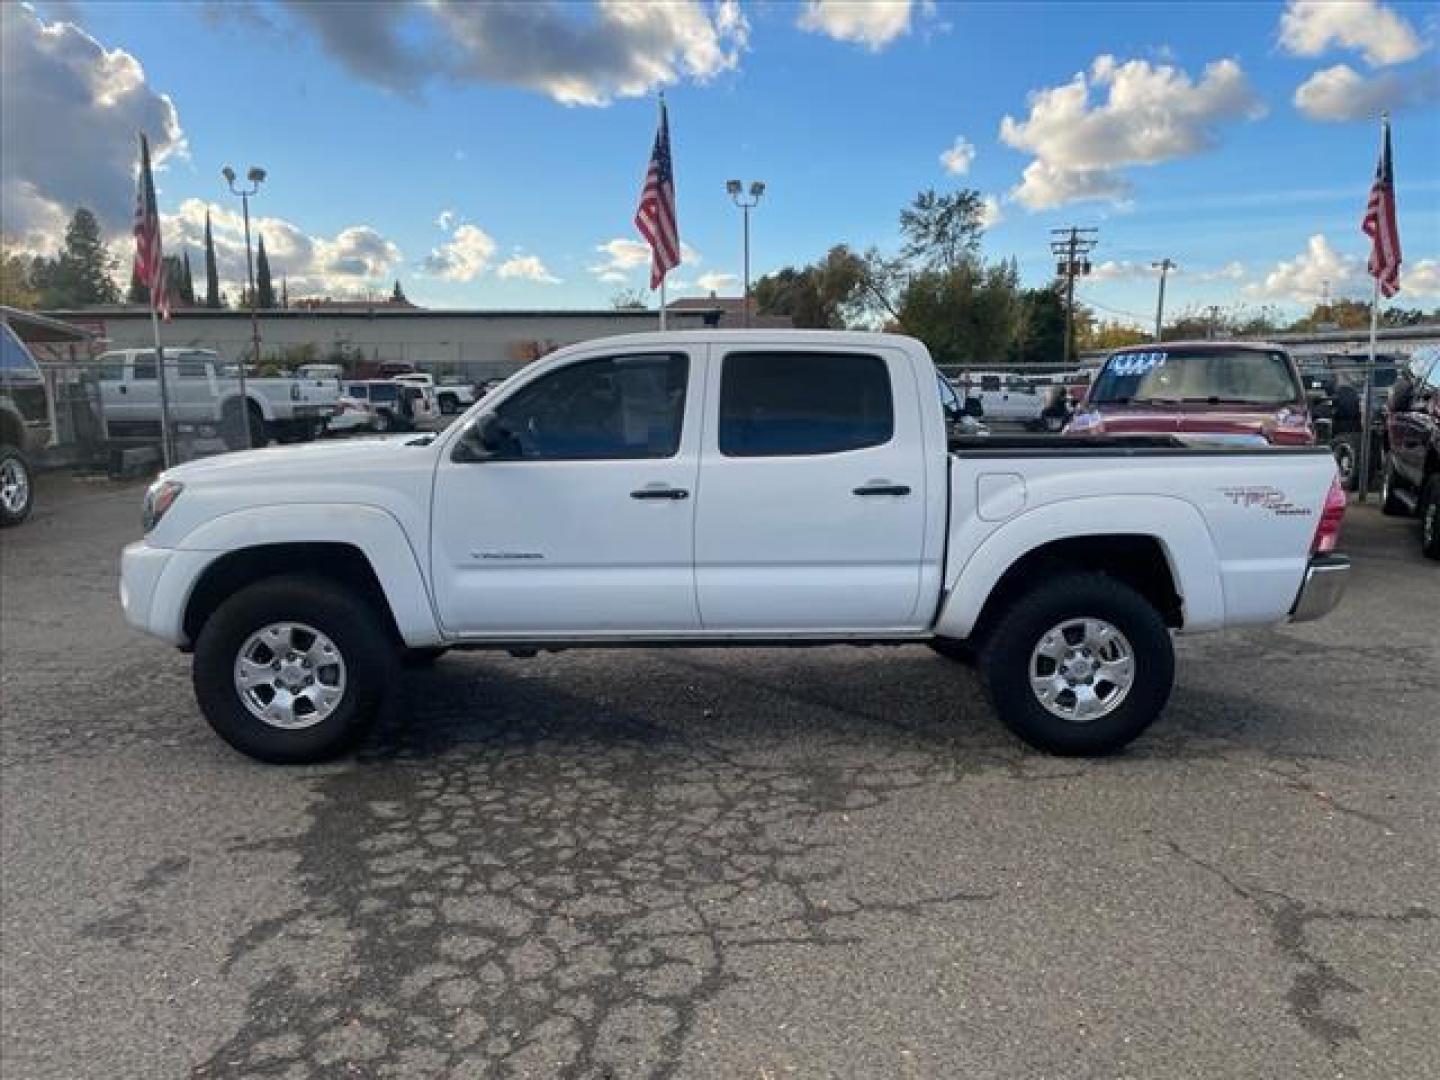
[{"x": 803, "y": 403}]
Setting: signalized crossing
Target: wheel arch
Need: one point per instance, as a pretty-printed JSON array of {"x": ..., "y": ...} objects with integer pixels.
[
  {"x": 372, "y": 556},
  {"x": 1159, "y": 546}
]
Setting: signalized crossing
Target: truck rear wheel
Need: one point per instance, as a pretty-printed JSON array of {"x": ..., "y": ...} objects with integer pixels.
[
  {"x": 1430, "y": 518},
  {"x": 1391, "y": 505},
  {"x": 293, "y": 669},
  {"x": 1079, "y": 666}
]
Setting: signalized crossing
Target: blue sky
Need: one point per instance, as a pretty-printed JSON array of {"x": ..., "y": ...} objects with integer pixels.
[{"x": 373, "y": 122}]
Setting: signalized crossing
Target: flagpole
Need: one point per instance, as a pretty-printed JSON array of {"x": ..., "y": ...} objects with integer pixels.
[
  {"x": 167, "y": 449},
  {"x": 1363, "y": 491},
  {"x": 661, "y": 112}
]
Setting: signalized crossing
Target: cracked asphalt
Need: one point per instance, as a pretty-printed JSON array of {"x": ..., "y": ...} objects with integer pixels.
[{"x": 740, "y": 863}]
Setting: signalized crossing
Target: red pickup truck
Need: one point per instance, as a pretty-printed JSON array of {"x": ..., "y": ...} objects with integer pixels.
[{"x": 1202, "y": 391}]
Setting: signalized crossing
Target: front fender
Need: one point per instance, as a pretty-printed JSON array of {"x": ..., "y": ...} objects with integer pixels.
[
  {"x": 1175, "y": 523},
  {"x": 375, "y": 532}
]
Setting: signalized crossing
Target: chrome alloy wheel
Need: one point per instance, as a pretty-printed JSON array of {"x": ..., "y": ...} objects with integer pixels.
[
  {"x": 14, "y": 485},
  {"x": 1082, "y": 669},
  {"x": 290, "y": 675}
]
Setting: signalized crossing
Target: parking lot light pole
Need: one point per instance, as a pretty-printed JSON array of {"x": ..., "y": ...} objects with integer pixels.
[
  {"x": 736, "y": 190},
  {"x": 256, "y": 176}
]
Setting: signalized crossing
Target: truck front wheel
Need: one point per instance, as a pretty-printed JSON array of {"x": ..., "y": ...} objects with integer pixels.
[
  {"x": 1080, "y": 665},
  {"x": 293, "y": 669}
]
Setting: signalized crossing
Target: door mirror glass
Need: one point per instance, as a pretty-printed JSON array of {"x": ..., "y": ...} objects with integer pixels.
[{"x": 487, "y": 439}]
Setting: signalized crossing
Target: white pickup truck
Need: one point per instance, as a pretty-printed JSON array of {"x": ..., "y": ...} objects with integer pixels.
[
  {"x": 710, "y": 488},
  {"x": 287, "y": 408}
]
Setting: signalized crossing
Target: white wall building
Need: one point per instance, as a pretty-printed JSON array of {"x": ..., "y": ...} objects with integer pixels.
[{"x": 478, "y": 344}]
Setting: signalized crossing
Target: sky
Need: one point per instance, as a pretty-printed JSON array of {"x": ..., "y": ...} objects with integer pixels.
[{"x": 491, "y": 156}]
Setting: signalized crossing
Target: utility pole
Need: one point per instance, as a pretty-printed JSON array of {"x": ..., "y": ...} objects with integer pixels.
[
  {"x": 1072, "y": 247},
  {"x": 1164, "y": 266}
]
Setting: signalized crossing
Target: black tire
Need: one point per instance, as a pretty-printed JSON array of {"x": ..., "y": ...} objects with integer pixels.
[
  {"x": 1005, "y": 663},
  {"x": 423, "y": 657},
  {"x": 1430, "y": 517},
  {"x": 19, "y": 480},
  {"x": 1346, "y": 449},
  {"x": 962, "y": 652},
  {"x": 358, "y": 633},
  {"x": 1391, "y": 505}
]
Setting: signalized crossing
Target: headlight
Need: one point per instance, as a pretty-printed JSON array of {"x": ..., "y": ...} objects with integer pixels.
[{"x": 158, "y": 499}]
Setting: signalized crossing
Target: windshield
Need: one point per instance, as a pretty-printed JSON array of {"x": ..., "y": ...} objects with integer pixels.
[{"x": 1216, "y": 376}]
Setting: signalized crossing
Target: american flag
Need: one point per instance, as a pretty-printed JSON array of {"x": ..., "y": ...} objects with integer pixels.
[
  {"x": 655, "y": 216},
  {"x": 149, "y": 259},
  {"x": 1379, "y": 223}
]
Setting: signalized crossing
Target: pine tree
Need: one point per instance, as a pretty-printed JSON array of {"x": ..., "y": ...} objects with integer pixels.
[
  {"x": 397, "y": 294},
  {"x": 212, "y": 275},
  {"x": 187, "y": 281},
  {"x": 86, "y": 267},
  {"x": 137, "y": 293},
  {"x": 264, "y": 285}
]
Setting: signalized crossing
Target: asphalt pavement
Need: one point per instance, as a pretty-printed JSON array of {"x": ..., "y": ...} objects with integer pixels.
[{"x": 732, "y": 864}]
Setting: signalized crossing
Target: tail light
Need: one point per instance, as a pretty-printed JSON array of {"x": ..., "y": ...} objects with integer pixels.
[{"x": 1327, "y": 533}]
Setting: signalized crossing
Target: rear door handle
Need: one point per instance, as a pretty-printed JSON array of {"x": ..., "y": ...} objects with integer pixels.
[
  {"x": 880, "y": 488},
  {"x": 660, "y": 493}
]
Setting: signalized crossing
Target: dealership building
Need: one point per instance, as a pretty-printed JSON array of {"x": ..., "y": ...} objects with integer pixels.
[{"x": 476, "y": 344}]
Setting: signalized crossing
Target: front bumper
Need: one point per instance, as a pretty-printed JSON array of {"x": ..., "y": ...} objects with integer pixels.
[{"x": 1324, "y": 585}]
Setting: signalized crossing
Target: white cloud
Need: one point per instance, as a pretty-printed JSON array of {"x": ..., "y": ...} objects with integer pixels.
[
  {"x": 717, "y": 282},
  {"x": 1341, "y": 93},
  {"x": 990, "y": 212},
  {"x": 871, "y": 23},
  {"x": 352, "y": 262},
  {"x": 958, "y": 159},
  {"x": 527, "y": 267},
  {"x": 1310, "y": 27},
  {"x": 576, "y": 55},
  {"x": 624, "y": 256},
  {"x": 1121, "y": 270},
  {"x": 71, "y": 111},
  {"x": 1231, "y": 271},
  {"x": 461, "y": 258},
  {"x": 447, "y": 219},
  {"x": 1421, "y": 280},
  {"x": 1151, "y": 113},
  {"x": 1304, "y": 278}
]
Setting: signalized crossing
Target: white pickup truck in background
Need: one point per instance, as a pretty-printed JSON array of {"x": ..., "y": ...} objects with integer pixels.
[
  {"x": 286, "y": 408},
  {"x": 714, "y": 488}
]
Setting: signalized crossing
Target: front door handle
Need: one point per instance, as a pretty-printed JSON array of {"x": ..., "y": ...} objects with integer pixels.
[
  {"x": 879, "y": 487},
  {"x": 660, "y": 493}
]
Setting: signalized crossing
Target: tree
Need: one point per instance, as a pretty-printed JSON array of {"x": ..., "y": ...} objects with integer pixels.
[
  {"x": 1110, "y": 335},
  {"x": 825, "y": 295},
  {"x": 397, "y": 294},
  {"x": 629, "y": 300},
  {"x": 967, "y": 314},
  {"x": 942, "y": 231},
  {"x": 187, "y": 281},
  {"x": 137, "y": 293},
  {"x": 16, "y": 289},
  {"x": 264, "y": 285},
  {"x": 1041, "y": 337},
  {"x": 83, "y": 273},
  {"x": 212, "y": 274}
]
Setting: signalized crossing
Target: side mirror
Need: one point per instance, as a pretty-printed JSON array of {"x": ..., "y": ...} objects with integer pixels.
[{"x": 487, "y": 439}]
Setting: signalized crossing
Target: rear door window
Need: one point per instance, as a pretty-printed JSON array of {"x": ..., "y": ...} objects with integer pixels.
[
  {"x": 16, "y": 363},
  {"x": 803, "y": 403}
]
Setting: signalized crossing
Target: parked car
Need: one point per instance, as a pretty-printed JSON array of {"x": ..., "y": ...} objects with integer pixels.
[
  {"x": 1342, "y": 408},
  {"x": 426, "y": 407},
  {"x": 962, "y": 417},
  {"x": 1242, "y": 393},
  {"x": 715, "y": 487},
  {"x": 455, "y": 396},
  {"x": 397, "y": 406},
  {"x": 1007, "y": 398},
  {"x": 352, "y": 414},
  {"x": 24, "y": 426},
  {"x": 1411, "y": 482},
  {"x": 285, "y": 408}
]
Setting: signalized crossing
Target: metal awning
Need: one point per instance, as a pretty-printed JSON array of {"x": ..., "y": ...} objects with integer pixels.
[{"x": 33, "y": 328}]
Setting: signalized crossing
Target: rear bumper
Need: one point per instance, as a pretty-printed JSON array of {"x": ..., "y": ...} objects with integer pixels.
[{"x": 1324, "y": 585}]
